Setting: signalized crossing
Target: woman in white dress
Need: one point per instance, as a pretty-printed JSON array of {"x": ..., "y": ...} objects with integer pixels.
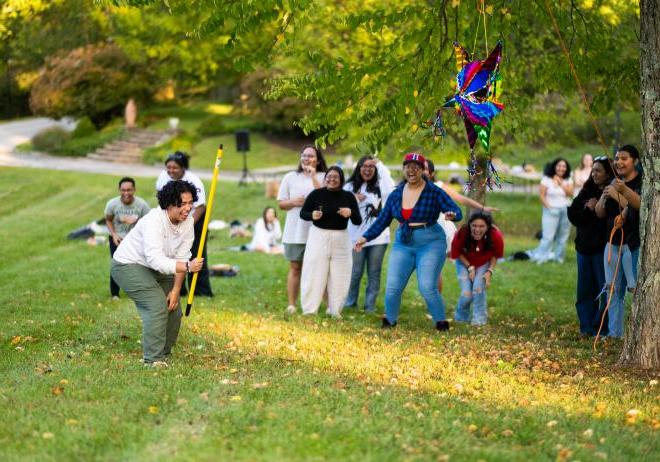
[{"x": 267, "y": 234}]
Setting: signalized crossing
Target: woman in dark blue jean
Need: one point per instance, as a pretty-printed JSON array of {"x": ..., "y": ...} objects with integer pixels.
[
  {"x": 590, "y": 240},
  {"x": 420, "y": 243}
]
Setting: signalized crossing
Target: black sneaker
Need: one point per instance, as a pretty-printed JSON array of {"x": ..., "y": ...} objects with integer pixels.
[
  {"x": 442, "y": 325},
  {"x": 387, "y": 324}
]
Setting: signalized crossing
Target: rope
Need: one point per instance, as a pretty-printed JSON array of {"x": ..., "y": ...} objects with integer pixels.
[
  {"x": 618, "y": 224},
  {"x": 575, "y": 76}
]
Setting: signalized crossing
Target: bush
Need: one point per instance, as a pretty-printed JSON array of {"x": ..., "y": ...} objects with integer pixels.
[
  {"x": 50, "y": 139},
  {"x": 79, "y": 147},
  {"x": 212, "y": 126},
  {"x": 84, "y": 128}
]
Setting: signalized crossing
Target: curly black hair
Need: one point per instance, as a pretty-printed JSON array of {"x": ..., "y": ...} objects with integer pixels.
[
  {"x": 469, "y": 240},
  {"x": 172, "y": 191}
]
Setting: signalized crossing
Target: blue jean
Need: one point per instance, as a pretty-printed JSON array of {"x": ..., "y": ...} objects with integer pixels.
[
  {"x": 590, "y": 301},
  {"x": 425, "y": 252},
  {"x": 556, "y": 228},
  {"x": 472, "y": 293},
  {"x": 371, "y": 257},
  {"x": 627, "y": 269}
]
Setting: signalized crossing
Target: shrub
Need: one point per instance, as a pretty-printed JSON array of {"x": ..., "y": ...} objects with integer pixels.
[
  {"x": 50, "y": 139},
  {"x": 84, "y": 128},
  {"x": 212, "y": 126}
]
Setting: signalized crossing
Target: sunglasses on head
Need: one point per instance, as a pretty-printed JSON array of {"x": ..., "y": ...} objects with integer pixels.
[{"x": 601, "y": 158}]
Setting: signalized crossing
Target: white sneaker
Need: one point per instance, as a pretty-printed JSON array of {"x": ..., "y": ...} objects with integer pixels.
[
  {"x": 291, "y": 309},
  {"x": 157, "y": 364}
]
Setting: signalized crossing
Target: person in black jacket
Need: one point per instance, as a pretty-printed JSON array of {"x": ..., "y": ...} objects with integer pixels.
[
  {"x": 590, "y": 239},
  {"x": 328, "y": 255}
]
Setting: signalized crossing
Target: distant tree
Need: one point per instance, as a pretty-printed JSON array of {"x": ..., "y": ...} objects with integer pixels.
[{"x": 94, "y": 81}]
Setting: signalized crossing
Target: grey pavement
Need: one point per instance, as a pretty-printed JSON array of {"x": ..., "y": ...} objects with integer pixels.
[
  {"x": 14, "y": 133},
  {"x": 20, "y": 131}
]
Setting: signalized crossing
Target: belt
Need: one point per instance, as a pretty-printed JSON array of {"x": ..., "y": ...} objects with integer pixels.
[{"x": 414, "y": 227}]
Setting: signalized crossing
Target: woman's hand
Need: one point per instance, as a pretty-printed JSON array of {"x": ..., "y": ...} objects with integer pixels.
[
  {"x": 471, "y": 272},
  {"x": 491, "y": 209},
  {"x": 591, "y": 203},
  {"x": 359, "y": 243},
  {"x": 450, "y": 216},
  {"x": 308, "y": 170},
  {"x": 316, "y": 215},
  {"x": 360, "y": 197},
  {"x": 172, "y": 300},
  {"x": 116, "y": 239},
  {"x": 487, "y": 277},
  {"x": 195, "y": 265},
  {"x": 344, "y": 212},
  {"x": 557, "y": 179}
]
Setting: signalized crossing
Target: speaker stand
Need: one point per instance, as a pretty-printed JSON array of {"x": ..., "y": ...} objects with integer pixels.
[{"x": 246, "y": 176}]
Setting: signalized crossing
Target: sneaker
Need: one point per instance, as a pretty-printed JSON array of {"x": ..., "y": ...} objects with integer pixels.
[
  {"x": 442, "y": 325},
  {"x": 115, "y": 297},
  {"x": 291, "y": 309},
  {"x": 387, "y": 324},
  {"x": 157, "y": 364}
]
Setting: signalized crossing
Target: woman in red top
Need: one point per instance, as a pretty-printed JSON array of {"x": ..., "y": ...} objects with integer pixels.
[{"x": 476, "y": 248}]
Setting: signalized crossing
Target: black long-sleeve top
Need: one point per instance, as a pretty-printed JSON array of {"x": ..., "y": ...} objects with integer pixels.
[
  {"x": 329, "y": 202},
  {"x": 591, "y": 232}
]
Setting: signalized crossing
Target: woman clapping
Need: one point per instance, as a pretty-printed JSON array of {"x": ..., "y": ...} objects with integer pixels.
[{"x": 327, "y": 262}]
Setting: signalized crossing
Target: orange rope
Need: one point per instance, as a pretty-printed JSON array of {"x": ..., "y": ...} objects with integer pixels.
[
  {"x": 575, "y": 76},
  {"x": 618, "y": 224}
]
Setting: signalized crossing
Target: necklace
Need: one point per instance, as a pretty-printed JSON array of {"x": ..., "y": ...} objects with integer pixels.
[{"x": 175, "y": 228}]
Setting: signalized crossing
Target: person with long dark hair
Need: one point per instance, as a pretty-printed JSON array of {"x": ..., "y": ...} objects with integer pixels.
[
  {"x": 371, "y": 183},
  {"x": 150, "y": 264},
  {"x": 620, "y": 203},
  {"x": 590, "y": 239},
  {"x": 294, "y": 189},
  {"x": 420, "y": 243},
  {"x": 267, "y": 233},
  {"x": 177, "y": 168},
  {"x": 476, "y": 247},
  {"x": 327, "y": 262},
  {"x": 555, "y": 191}
]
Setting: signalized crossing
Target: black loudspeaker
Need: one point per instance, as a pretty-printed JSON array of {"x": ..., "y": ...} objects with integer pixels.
[{"x": 242, "y": 140}]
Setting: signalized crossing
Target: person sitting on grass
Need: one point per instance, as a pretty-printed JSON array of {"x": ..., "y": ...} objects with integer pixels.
[
  {"x": 476, "y": 248},
  {"x": 121, "y": 215},
  {"x": 151, "y": 263},
  {"x": 267, "y": 234}
]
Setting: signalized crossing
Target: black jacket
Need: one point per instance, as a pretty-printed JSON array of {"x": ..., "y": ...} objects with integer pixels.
[{"x": 591, "y": 232}]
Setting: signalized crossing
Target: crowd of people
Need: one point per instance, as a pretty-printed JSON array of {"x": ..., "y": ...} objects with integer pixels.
[{"x": 335, "y": 228}]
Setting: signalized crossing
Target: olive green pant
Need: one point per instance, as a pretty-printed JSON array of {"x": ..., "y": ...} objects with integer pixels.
[{"x": 149, "y": 289}]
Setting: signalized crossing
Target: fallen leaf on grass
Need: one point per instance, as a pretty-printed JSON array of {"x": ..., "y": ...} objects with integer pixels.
[
  {"x": 257, "y": 386},
  {"x": 472, "y": 428},
  {"x": 153, "y": 410},
  {"x": 57, "y": 391},
  {"x": 47, "y": 435},
  {"x": 551, "y": 424},
  {"x": 631, "y": 416},
  {"x": 15, "y": 340},
  {"x": 507, "y": 433},
  {"x": 588, "y": 433},
  {"x": 71, "y": 422},
  {"x": 235, "y": 398}
]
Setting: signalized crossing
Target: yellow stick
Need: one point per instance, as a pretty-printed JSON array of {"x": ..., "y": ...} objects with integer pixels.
[{"x": 205, "y": 227}]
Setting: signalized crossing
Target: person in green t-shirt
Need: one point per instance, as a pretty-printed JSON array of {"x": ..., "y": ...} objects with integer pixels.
[{"x": 121, "y": 214}]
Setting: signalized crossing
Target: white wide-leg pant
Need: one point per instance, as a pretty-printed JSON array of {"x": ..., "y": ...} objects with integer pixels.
[{"x": 327, "y": 265}]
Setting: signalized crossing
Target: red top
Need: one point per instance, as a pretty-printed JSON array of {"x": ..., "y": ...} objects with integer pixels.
[
  {"x": 477, "y": 255},
  {"x": 406, "y": 213}
]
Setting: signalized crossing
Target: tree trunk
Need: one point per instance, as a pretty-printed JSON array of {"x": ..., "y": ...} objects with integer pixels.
[{"x": 642, "y": 344}]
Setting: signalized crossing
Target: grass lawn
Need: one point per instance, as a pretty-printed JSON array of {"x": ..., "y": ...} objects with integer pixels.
[{"x": 248, "y": 382}]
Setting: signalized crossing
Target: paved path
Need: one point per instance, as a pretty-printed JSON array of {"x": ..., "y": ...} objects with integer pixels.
[{"x": 14, "y": 133}]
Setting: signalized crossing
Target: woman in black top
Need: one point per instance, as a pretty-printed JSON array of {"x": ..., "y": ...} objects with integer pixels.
[
  {"x": 590, "y": 239},
  {"x": 328, "y": 255},
  {"x": 621, "y": 198}
]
